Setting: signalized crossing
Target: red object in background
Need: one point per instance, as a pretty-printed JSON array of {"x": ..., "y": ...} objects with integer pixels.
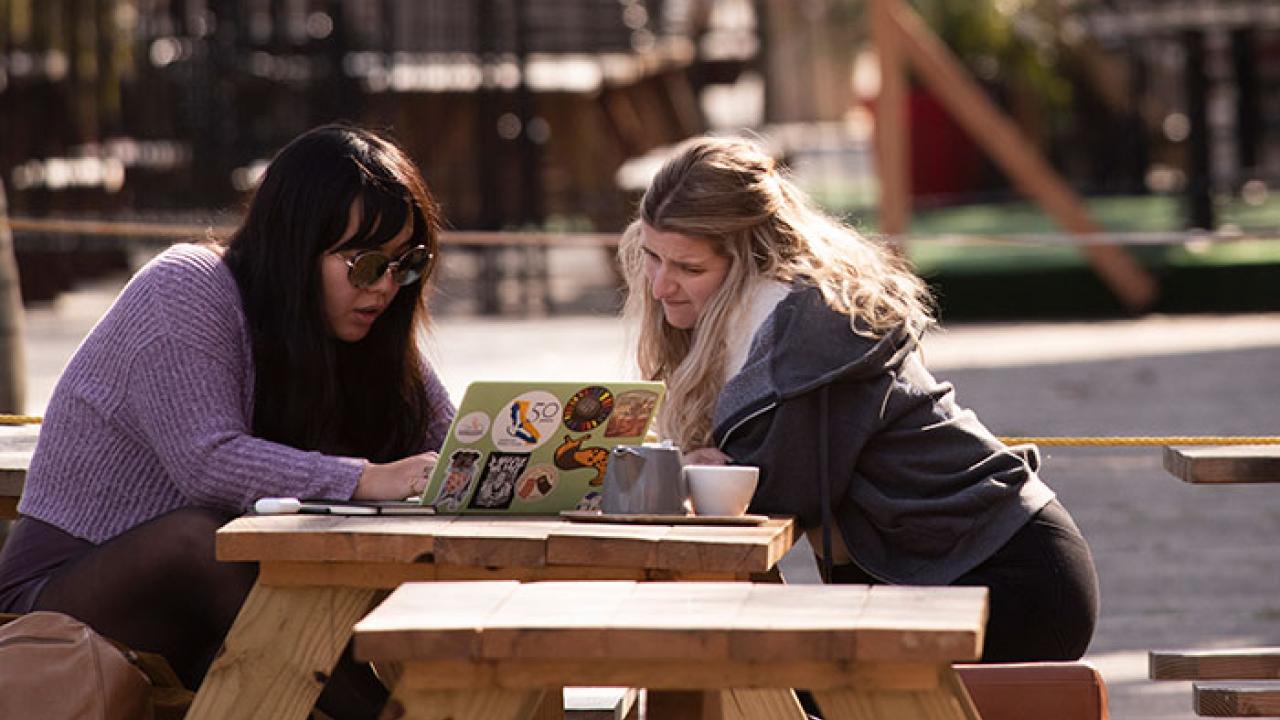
[{"x": 944, "y": 160}]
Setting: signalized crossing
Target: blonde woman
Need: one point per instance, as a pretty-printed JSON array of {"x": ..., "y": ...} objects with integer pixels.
[{"x": 789, "y": 342}]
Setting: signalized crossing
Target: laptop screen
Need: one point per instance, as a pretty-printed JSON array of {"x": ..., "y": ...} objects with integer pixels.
[{"x": 537, "y": 448}]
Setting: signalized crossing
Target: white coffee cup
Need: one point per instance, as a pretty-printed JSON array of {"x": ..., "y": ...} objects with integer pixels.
[{"x": 721, "y": 489}]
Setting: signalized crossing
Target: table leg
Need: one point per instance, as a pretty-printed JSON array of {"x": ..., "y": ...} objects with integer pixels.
[
  {"x": 761, "y": 704},
  {"x": 280, "y": 651},
  {"x": 494, "y": 704}
]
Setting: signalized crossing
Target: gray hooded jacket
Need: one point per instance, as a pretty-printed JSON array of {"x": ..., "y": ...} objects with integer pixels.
[{"x": 855, "y": 434}]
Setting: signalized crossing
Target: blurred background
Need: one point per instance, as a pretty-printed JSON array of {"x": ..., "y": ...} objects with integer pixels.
[
  {"x": 548, "y": 116},
  {"x": 1092, "y": 187}
]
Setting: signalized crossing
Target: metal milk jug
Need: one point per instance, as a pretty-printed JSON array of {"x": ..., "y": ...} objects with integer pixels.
[{"x": 645, "y": 479}]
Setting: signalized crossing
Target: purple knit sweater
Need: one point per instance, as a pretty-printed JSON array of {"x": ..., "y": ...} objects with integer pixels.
[{"x": 154, "y": 412}]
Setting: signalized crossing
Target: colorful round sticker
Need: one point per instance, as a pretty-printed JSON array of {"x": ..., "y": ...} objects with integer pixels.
[
  {"x": 526, "y": 421},
  {"x": 537, "y": 483},
  {"x": 472, "y": 427},
  {"x": 588, "y": 407}
]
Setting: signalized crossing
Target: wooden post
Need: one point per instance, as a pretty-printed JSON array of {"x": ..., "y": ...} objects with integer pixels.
[
  {"x": 1005, "y": 144},
  {"x": 1196, "y": 80},
  {"x": 892, "y": 134},
  {"x": 13, "y": 370}
]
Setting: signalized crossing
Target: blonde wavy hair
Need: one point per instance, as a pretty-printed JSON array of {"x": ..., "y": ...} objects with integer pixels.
[{"x": 731, "y": 193}]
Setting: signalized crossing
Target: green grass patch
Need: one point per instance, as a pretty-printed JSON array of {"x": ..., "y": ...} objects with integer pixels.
[{"x": 989, "y": 277}]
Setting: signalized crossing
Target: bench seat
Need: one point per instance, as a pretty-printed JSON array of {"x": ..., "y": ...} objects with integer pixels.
[
  {"x": 1258, "y": 698},
  {"x": 1042, "y": 690},
  {"x": 493, "y": 649},
  {"x": 17, "y": 443},
  {"x": 1254, "y": 675},
  {"x": 1236, "y": 664}
]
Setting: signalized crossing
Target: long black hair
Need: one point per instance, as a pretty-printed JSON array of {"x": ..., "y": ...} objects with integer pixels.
[{"x": 313, "y": 391}]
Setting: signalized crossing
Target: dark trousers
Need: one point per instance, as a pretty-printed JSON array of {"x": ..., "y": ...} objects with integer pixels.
[
  {"x": 1043, "y": 600},
  {"x": 157, "y": 587}
]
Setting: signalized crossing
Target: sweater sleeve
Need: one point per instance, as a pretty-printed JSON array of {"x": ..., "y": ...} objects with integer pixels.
[{"x": 187, "y": 404}]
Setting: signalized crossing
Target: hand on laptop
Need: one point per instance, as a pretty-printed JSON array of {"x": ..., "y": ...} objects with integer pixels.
[{"x": 395, "y": 480}]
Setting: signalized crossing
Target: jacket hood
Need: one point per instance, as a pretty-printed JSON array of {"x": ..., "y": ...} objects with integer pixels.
[{"x": 803, "y": 345}]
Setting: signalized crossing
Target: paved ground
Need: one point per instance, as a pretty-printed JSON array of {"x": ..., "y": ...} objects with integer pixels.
[{"x": 1180, "y": 566}]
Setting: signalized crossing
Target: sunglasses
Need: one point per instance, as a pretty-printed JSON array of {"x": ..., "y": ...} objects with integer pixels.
[{"x": 368, "y": 267}]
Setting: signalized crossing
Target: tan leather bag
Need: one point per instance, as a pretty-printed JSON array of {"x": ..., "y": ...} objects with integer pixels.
[{"x": 53, "y": 666}]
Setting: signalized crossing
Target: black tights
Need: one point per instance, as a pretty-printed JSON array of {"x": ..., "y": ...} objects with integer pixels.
[
  {"x": 1043, "y": 591},
  {"x": 158, "y": 587},
  {"x": 1042, "y": 594}
]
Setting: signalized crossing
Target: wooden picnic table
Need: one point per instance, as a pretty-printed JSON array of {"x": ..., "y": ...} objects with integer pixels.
[
  {"x": 494, "y": 650},
  {"x": 1213, "y": 464},
  {"x": 1257, "y": 690},
  {"x": 319, "y": 574},
  {"x": 17, "y": 442}
]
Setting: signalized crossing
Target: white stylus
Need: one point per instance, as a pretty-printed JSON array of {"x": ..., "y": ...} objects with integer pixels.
[{"x": 277, "y": 505}]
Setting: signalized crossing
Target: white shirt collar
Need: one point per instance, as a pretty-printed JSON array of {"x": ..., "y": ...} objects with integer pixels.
[{"x": 760, "y": 300}]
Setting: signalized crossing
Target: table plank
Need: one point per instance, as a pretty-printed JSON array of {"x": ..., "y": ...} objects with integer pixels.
[
  {"x": 506, "y": 542},
  {"x": 1239, "y": 664},
  {"x": 899, "y": 622},
  {"x": 554, "y": 620},
  {"x": 494, "y": 541},
  {"x": 618, "y": 545},
  {"x": 1224, "y": 464},
  {"x": 329, "y": 538},
  {"x": 454, "y": 618},
  {"x": 743, "y": 549},
  {"x": 773, "y": 607},
  {"x": 1238, "y": 699}
]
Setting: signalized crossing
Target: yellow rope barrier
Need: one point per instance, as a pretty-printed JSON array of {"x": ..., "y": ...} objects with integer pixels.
[
  {"x": 1121, "y": 440},
  {"x": 1139, "y": 440},
  {"x": 176, "y": 231}
]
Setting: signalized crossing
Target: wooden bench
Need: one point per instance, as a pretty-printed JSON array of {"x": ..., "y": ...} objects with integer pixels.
[
  {"x": 17, "y": 442},
  {"x": 492, "y": 649},
  {"x": 1254, "y": 664},
  {"x": 1041, "y": 690},
  {"x": 13, "y": 475},
  {"x": 1238, "y": 699},
  {"x": 1224, "y": 464},
  {"x": 1254, "y": 675}
]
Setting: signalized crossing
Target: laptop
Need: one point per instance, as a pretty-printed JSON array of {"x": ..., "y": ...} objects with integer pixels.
[{"x": 537, "y": 448}]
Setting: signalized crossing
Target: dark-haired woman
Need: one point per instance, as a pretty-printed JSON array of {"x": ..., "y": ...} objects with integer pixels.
[{"x": 284, "y": 363}]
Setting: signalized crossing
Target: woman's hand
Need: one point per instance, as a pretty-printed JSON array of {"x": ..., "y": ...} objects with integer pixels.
[
  {"x": 706, "y": 456},
  {"x": 395, "y": 480}
]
